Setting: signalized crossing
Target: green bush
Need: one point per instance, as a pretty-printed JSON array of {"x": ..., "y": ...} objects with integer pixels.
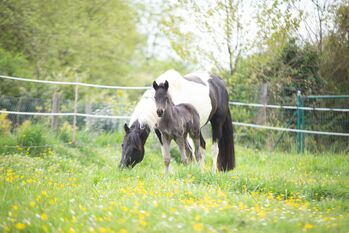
[
  {"x": 32, "y": 139},
  {"x": 5, "y": 125},
  {"x": 7, "y": 144},
  {"x": 65, "y": 132}
]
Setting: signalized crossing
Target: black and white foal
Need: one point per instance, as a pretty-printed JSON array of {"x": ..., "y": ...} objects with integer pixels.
[{"x": 176, "y": 122}]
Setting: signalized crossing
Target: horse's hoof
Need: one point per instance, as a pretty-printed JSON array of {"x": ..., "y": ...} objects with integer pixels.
[{"x": 168, "y": 170}]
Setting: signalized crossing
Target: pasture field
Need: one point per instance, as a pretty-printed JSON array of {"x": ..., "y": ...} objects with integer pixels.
[{"x": 80, "y": 189}]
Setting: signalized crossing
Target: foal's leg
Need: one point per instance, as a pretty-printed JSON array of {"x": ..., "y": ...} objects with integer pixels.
[
  {"x": 181, "y": 144},
  {"x": 198, "y": 156},
  {"x": 195, "y": 135},
  {"x": 166, "y": 153},
  {"x": 189, "y": 149}
]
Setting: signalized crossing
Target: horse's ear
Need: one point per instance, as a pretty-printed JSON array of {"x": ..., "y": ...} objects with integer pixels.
[
  {"x": 166, "y": 85},
  {"x": 155, "y": 85},
  {"x": 126, "y": 128}
]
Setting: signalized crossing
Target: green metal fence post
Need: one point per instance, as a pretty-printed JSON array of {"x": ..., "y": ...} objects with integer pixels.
[
  {"x": 298, "y": 121},
  {"x": 302, "y": 134}
]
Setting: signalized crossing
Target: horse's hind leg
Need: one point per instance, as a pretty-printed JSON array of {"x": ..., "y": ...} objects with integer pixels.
[
  {"x": 181, "y": 144},
  {"x": 189, "y": 149},
  {"x": 202, "y": 147},
  {"x": 198, "y": 156}
]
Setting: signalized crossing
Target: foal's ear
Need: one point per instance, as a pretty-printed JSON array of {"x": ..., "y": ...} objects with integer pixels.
[
  {"x": 126, "y": 128},
  {"x": 166, "y": 85},
  {"x": 155, "y": 85}
]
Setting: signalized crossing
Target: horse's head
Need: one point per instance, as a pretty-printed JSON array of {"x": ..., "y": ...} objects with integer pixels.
[
  {"x": 162, "y": 98},
  {"x": 133, "y": 145}
]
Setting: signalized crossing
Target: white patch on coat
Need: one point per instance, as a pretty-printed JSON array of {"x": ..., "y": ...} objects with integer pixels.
[{"x": 181, "y": 91}]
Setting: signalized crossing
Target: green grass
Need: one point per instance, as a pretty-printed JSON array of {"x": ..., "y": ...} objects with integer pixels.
[{"x": 81, "y": 190}]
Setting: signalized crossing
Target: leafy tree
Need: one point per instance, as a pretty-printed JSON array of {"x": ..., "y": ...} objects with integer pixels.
[
  {"x": 95, "y": 38},
  {"x": 12, "y": 64},
  {"x": 335, "y": 57}
]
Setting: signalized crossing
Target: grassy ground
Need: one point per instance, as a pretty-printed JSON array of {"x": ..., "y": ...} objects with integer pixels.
[{"x": 81, "y": 190}]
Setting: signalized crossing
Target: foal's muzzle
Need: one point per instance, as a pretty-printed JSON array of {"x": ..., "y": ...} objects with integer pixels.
[{"x": 160, "y": 112}]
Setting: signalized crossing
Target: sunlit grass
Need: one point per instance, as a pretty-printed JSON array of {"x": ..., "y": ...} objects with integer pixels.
[{"x": 82, "y": 190}]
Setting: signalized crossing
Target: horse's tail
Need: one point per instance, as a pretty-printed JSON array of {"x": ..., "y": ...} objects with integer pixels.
[{"x": 226, "y": 155}]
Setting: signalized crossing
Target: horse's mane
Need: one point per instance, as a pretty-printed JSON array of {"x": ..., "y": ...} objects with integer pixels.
[{"x": 145, "y": 110}]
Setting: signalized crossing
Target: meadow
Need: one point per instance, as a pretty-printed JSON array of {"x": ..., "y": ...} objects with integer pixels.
[{"x": 79, "y": 188}]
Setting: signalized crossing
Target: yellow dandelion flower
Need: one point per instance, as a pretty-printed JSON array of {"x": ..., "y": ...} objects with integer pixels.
[
  {"x": 307, "y": 227},
  {"x": 15, "y": 207},
  {"x": 262, "y": 214},
  {"x": 38, "y": 198},
  {"x": 173, "y": 210},
  {"x": 103, "y": 230},
  {"x": 32, "y": 204},
  {"x": 242, "y": 206},
  {"x": 142, "y": 222},
  {"x": 123, "y": 230},
  {"x": 44, "y": 217},
  {"x": 198, "y": 227},
  {"x": 71, "y": 230},
  {"x": 20, "y": 226},
  {"x": 53, "y": 201},
  {"x": 44, "y": 193},
  {"x": 124, "y": 208}
]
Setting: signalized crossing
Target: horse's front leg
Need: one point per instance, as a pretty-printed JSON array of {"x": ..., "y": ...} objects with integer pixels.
[
  {"x": 166, "y": 153},
  {"x": 181, "y": 144}
]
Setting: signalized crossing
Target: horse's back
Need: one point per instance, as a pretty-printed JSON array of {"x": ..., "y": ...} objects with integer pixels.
[
  {"x": 189, "y": 108},
  {"x": 190, "y": 115}
]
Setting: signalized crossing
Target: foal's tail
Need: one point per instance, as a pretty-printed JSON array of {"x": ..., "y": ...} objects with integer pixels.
[{"x": 226, "y": 155}]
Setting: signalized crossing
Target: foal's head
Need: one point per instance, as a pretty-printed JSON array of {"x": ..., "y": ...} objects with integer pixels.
[{"x": 162, "y": 98}]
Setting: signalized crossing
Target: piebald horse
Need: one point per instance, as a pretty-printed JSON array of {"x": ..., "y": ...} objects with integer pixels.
[{"x": 207, "y": 93}]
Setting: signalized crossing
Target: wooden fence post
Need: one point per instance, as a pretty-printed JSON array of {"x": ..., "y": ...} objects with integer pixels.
[
  {"x": 261, "y": 117},
  {"x": 18, "y": 109},
  {"x": 88, "y": 110},
  {"x": 75, "y": 111}
]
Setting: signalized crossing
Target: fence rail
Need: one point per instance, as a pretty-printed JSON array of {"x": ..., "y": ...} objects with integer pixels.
[
  {"x": 128, "y": 117},
  {"x": 73, "y": 83},
  {"x": 289, "y": 107},
  {"x": 64, "y": 114}
]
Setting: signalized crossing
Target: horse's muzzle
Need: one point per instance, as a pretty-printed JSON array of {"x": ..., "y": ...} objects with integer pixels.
[{"x": 160, "y": 112}]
